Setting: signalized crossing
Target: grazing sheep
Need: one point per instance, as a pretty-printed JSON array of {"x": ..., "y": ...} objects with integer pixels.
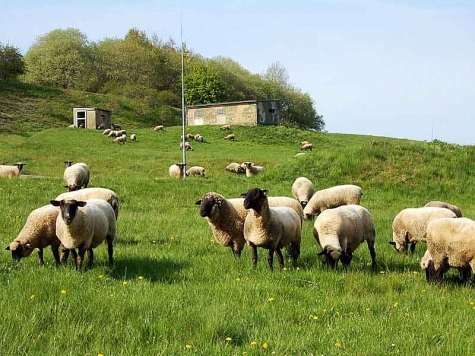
[
  {"x": 332, "y": 198},
  {"x": 199, "y": 138},
  {"x": 304, "y": 143},
  {"x": 121, "y": 139},
  {"x": 177, "y": 170},
  {"x": 38, "y": 232},
  {"x": 236, "y": 168},
  {"x": 85, "y": 225},
  {"x": 72, "y": 126},
  {"x": 113, "y": 133},
  {"x": 341, "y": 230},
  {"x": 271, "y": 228},
  {"x": 196, "y": 171},
  {"x": 100, "y": 127},
  {"x": 76, "y": 175},
  {"x": 252, "y": 170},
  {"x": 159, "y": 128},
  {"x": 230, "y": 137},
  {"x": 121, "y": 133},
  {"x": 300, "y": 154},
  {"x": 106, "y": 131},
  {"x": 410, "y": 225},
  {"x": 226, "y": 217},
  {"x": 225, "y": 127},
  {"x": 307, "y": 146},
  {"x": 11, "y": 171},
  {"x": 302, "y": 190},
  {"x": 94, "y": 193},
  {"x": 188, "y": 146},
  {"x": 450, "y": 243},
  {"x": 116, "y": 126},
  {"x": 441, "y": 204},
  {"x": 133, "y": 138}
]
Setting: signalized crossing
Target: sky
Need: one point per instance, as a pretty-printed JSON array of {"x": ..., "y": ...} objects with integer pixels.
[{"x": 403, "y": 69}]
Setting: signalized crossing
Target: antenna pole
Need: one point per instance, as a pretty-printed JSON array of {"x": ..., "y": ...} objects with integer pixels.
[{"x": 183, "y": 113}]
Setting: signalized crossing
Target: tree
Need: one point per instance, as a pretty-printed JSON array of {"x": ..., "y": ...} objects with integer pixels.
[
  {"x": 11, "y": 62},
  {"x": 62, "y": 58},
  {"x": 202, "y": 84},
  {"x": 278, "y": 74}
]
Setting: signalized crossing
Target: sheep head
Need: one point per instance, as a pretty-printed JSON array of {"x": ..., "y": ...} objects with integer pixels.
[
  {"x": 68, "y": 208},
  {"x": 255, "y": 198},
  {"x": 210, "y": 205},
  {"x": 20, "y": 250}
]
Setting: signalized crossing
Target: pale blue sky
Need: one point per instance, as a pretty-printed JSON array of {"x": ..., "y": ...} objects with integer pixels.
[{"x": 391, "y": 68}]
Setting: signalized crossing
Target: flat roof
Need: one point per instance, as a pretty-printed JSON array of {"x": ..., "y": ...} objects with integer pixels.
[
  {"x": 80, "y": 107},
  {"x": 229, "y": 103}
]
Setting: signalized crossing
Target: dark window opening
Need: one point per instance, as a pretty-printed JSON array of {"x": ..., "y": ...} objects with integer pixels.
[
  {"x": 81, "y": 114},
  {"x": 272, "y": 110}
]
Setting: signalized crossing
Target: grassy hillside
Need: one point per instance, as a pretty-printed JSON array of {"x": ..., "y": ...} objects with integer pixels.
[
  {"x": 25, "y": 107},
  {"x": 173, "y": 290}
]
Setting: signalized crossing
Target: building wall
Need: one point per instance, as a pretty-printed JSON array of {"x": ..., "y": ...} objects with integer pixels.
[
  {"x": 94, "y": 117},
  {"x": 268, "y": 112},
  {"x": 236, "y": 114}
]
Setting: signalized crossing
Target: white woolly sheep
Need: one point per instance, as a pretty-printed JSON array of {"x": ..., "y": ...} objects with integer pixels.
[
  {"x": 188, "y": 137},
  {"x": 226, "y": 217},
  {"x": 38, "y": 232},
  {"x": 341, "y": 230},
  {"x": 332, "y": 198},
  {"x": 300, "y": 154},
  {"x": 133, "y": 138},
  {"x": 302, "y": 190},
  {"x": 252, "y": 170},
  {"x": 188, "y": 146},
  {"x": 307, "y": 146},
  {"x": 76, "y": 176},
  {"x": 410, "y": 225},
  {"x": 121, "y": 139},
  {"x": 304, "y": 143},
  {"x": 11, "y": 171},
  {"x": 121, "y": 132},
  {"x": 159, "y": 128},
  {"x": 199, "y": 138},
  {"x": 225, "y": 127},
  {"x": 112, "y": 133},
  {"x": 106, "y": 131},
  {"x": 450, "y": 243},
  {"x": 196, "y": 171},
  {"x": 271, "y": 228},
  {"x": 94, "y": 193},
  {"x": 441, "y": 204},
  {"x": 85, "y": 225},
  {"x": 230, "y": 137},
  {"x": 236, "y": 168},
  {"x": 177, "y": 170}
]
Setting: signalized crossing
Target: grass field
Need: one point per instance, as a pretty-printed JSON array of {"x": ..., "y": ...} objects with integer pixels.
[{"x": 173, "y": 290}]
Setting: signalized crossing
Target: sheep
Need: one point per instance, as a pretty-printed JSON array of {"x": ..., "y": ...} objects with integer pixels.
[
  {"x": 188, "y": 146},
  {"x": 302, "y": 190},
  {"x": 230, "y": 137},
  {"x": 94, "y": 193},
  {"x": 196, "y": 171},
  {"x": 76, "y": 176},
  {"x": 38, "y": 232},
  {"x": 199, "y": 138},
  {"x": 300, "y": 154},
  {"x": 106, "y": 131},
  {"x": 121, "y": 132},
  {"x": 410, "y": 225},
  {"x": 113, "y": 133},
  {"x": 159, "y": 128},
  {"x": 133, "y": 137},
  {"x": 116, "y": 126},
  {"x": 11, "y": 171},
  {"x": 332, "y": 198},
  {"x": 252, "y": 170},
  {"x": 121, "y": 139},
  {"x": 85, "y": 225},
  {"x": 236, "y": 168},
  {"x": 100, "y": 127},
  {"x": 225, "y": 127},
  {"x": 72, "y": 126},
  {"x": 177, "y": 170},
  {"x": 226, "y": 217},
  {"x": 450, "y": 243},
  {"x": 304, "y": 143},
  {"x": 271, "y": 228},
  {"x": 341, "y": 230},
  {"x": 307, "y": 146},
  {"x": 441, "y": 204}
]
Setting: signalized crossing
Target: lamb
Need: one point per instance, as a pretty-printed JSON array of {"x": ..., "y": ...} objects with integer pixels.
[
  {"x": 450, "y": 243},
  {"x": 121, "y": 139},
  {"x": 230, "y": 137},
  {"x": 188, "y": 146},
  {"x": 271, "y": 228},
  {"x": 85, "y": 225},
  {"x": 226, "y": 217},
  {"x": 441, "y": 204},
  {"x": 76, "y": 175},
  {"x": 133, "y": 138},
  {"x": 106, "y": 131},
  {"x": 225, "y": 127},
  {"x": 38, "y": 232},
  {"x": 159, "y": 128},
  {"x": 94, "y": 193},
  {"x": 307, "y": 146},
  {"x": 332, "y": 198},
  {"x": 177, "y": 170},
  {"x": 199, "y": 138},
  {"x": 11, "y": 171},
  {"x": 252, "y": 170},
  {"x": 236, "y": 168},
  {"x": 341, "y": 230},
  {"x": 196, "y": 171},
  {"x": 302, "y": 190},
  {"x": 410, "y": 225}
]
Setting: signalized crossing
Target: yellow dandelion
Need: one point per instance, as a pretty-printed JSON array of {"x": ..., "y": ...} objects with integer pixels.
[
  {"x": 395, "y": 305},
  {"x": 244, "y": 352},
  {"x": 63, "y": 291},
  {"x": 324, "y": 310},
  {"x": 298, "y": 268},
  {"x": 153, "y": 241},
  {"x": 415, "y": 272},
  {"x": 100, "y": 354},
  {"x": 125, "y": 283},
  {"x": 112, "y": 295},
  {"x": 188, "y": 346},
  {"x": 368, "y": 309},
  {"x": 315, "y": 317},
  {"x": 229, "y": 339},
  {"x": 337, "y": 345},
  {"x": 238, "y": 279},
  {"x": 32, "y": 297},
  {"x": 271, "y": 299},
  {"x": 407, "y": 314},
  {"x": 253, "y": 343},
  {"x": 140, "y": 278},
  {"x": 382, "y": 272},
  {"x": 473, "y": 308},
  {"x": 284, "y": 269},
  {"x": 265, "y": 345},
  {"x": 423, "y": 291},
  {"x": 472, "y": 303},
  {"x": 100, "y": 276}
]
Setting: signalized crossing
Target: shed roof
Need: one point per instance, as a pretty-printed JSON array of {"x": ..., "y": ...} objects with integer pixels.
[
  {"x": 228, "y": 103},
  {"x": 80, "y": 107}
]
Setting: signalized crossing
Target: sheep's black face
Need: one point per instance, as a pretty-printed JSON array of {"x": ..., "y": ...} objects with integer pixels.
[
  {"x": 19, "y": 251},
  {"x": 330, "y": 256},
  {"x": 207, "y": 205},
  {"x": 254, "y": 198},
  {"x": 68, "y": 208}
]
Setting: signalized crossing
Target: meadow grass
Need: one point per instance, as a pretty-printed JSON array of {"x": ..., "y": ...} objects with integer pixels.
[{"x": 173, "y": 290}]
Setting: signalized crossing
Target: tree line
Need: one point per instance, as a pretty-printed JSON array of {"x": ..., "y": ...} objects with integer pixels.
[{"x": 148, "y": 68}]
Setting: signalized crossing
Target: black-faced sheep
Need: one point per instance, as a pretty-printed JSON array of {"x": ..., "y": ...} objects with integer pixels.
[
  {"x": 230, "y": 137},
  {"x": 133, "y": 137},
  {"x": 441, "y": 204},
  {"x": 235, "y": 167},
  {"x": 11, "y": 171},
  {"x": 188, "y": 146},
  {"x": 307, "y": 147},
  {"x": 76, "y": 175},
  {"x": 332, "y": 198},
  {"x": 302, "y": 190},
  {"x": 196, "y": 171},
  {"x": 252, "y": 170},
  {"x": 159, "y": 128},
  {"x": 225, "y": 127},
  {"x": 177, "y": 170},
  {"x": 121, "y": 139}
]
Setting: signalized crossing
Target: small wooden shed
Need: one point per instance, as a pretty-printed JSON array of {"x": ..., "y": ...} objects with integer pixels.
[
  {"x": 92, "y": 118},
  {"x": 250, "y": 112}
]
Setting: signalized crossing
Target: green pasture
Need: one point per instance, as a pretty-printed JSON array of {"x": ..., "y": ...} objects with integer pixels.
[{"x": 174, "y": 291}]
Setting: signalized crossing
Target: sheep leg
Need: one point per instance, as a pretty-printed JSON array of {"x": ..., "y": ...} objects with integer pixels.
[
  {"x": 413, "y": 247},
  {"x": 280, "y": 257},
  {"x": 75, "y": 256},
  {"x": 465, "y": 273},
  {"x": 55, "y": 251},
  {"x": 40, "y": 257},
  {"x": 254, "y": 254},
  {"x": 64, "y": 255},
  {"x": 80, "y": 259},
  {"x": 270, "y": 259},
  {"x": 90, "y": 258},
  {"x": 110, "y": 251},
  {"x": 372, "y": 252}
]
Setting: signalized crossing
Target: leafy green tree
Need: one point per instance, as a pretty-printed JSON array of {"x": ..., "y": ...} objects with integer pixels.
[
  {"x": 202, "y": 84},
  {"x": 11, "y": 62},
  {"x": 62, "y": 58}
]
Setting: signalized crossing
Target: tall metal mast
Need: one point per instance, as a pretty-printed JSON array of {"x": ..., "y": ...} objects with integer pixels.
[{"x": 183, "y": 115}]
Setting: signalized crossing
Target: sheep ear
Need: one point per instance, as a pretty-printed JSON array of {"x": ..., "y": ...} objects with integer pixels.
[
  {"x": 265, "y": 191},
  {"x": 198, "y": 202},
  {"x": 55, "y": 202},
  {"x": 65, "y": 186},
  {"x": 321, "y": 253},
  {"x": 81, "y": 203},
  {"x": 392, "y": 243},
  {"x": 243, "y": 195},
  {"x": 8, "y": 248}
]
